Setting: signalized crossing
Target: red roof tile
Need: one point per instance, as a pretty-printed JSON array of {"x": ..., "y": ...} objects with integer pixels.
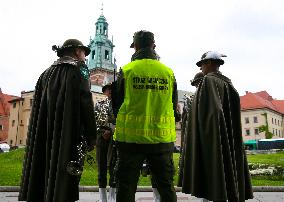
[
  {"x": 264, "y": 95},
  {"x": 279, "y": 105},
  {"x": 261, "y": 100}
]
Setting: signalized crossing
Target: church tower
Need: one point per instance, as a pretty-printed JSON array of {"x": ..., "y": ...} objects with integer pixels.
[{"x": 100, "y": 61}]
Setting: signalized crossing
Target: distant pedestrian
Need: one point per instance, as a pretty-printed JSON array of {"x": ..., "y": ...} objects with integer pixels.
[
  {"x": 61, "y": 128},
  {"x": 217, "y": 165},
  {"x": 105, "y": 146},
  {"x": 145, "y": 101}
]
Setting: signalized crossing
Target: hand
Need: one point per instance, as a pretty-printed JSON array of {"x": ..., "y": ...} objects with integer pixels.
[
  {"x": 178, "y": 108},
  {"x": 107, "y": 134}
]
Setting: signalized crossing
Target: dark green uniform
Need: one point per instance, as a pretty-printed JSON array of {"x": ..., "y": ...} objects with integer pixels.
[
  {"x": 216, "y": 166},
  {"x": 62, "y": 113}
]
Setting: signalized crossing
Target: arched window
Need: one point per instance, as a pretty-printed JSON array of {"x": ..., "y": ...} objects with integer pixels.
[{"x": 106, "y": 55}]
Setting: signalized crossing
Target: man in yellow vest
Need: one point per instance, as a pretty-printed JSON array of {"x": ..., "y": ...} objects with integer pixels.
[{"x": 145, "y": 103}]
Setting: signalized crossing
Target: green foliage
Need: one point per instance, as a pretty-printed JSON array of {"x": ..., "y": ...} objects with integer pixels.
[
  {"x": 264, "y": 128},
  {"x": 11, "y": 169}
]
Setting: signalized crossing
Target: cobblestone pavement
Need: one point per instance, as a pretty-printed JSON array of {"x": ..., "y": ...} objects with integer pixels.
[{"x": 147, "y": 197}]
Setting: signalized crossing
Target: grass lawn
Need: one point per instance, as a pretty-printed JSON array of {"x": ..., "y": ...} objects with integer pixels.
[
  {"x": 275, "y": 159},
  {"x": 11, "y": 169}
]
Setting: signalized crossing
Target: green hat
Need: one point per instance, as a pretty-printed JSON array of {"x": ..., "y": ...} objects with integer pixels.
[
  {"x": 70, "y": 43},
  {"x": 143, "y": 38},
  {"x": 197, "y": 78}
]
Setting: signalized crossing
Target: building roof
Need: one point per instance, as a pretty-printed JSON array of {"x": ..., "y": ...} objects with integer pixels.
[
  {"x": 261, "y": 100},
  {"x": 279, "y": 104}
]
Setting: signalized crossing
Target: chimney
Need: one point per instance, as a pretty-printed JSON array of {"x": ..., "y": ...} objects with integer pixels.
[{"x": 247, "y": 92}]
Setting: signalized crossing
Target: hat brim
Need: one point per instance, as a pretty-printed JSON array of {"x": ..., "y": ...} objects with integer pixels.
[
  {"x": 85, "y": 48},
  {"x": 199, "y": 63}
]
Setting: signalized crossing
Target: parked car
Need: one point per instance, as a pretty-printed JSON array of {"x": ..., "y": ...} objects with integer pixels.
[{"x": 4, "y": 147}]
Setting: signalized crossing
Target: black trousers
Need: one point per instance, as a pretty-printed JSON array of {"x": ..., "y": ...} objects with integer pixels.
[
  {"x": 106, "y": 158},
  {"x": 128, "y": 171}
]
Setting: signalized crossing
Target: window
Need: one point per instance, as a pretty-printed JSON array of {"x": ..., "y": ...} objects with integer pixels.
[
  {"x": 278, "y": 123},
  {"x": 106, "y": 54},
  {"x": 105, "y": 31},
  {"x": 272, "y": 120},
  {"x": 273, "y": 131},
  {"x": 20, "y": 141},
  {"x": 13, "y": 123},
  {"x": 1, "y": 127},
  {"x": 256, "y": 132},
  {"x": 246, "y": 120},
  {"x": 247, "y": 132},
  {"x": 93, "y": 54},
  {"x": 31, "y": 102},
  {"x": 11, "y": 141},
  {"x": 255, "y": 119},
  {"x": 14, "y": 105}
]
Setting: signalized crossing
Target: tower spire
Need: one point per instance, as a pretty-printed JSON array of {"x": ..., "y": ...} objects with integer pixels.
[{"x": 102, "y": 9}]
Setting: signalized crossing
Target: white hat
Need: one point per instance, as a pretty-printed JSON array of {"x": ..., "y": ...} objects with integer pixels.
[{"x": 211, "y": 55}]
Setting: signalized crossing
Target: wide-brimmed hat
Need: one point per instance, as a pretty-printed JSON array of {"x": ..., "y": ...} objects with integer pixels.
[
  {"x": 197, "y": 78},
  {"x": 143, "y": 38},
  {"x": 211, "y": 55},
  {"x": 70, "y": 43}
]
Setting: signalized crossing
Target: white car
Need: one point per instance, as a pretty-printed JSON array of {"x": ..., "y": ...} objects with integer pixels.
[{"x": 4, "y": 147}]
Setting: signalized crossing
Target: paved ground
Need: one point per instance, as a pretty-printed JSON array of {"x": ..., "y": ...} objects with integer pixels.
[{"x": 147, "y": 197}]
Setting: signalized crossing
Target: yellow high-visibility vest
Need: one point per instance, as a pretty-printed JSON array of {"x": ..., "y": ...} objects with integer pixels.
[{"x": 146, "y": 116}]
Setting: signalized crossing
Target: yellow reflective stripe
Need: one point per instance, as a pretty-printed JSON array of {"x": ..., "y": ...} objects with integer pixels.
[
  {"x": 143, "y": 119},
  {"x": 142, "y": 136},
  {"x": 146, "y": 132}
]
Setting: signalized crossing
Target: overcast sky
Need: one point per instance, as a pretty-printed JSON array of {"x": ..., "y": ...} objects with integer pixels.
[{"x": 249, "y": 32}]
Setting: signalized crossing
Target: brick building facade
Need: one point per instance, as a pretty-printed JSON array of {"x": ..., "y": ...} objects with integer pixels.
[{"x": 4, "y": 115}]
